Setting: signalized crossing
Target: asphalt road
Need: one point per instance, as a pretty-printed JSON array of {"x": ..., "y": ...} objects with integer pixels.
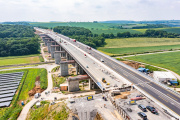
[{"x": 164, "y": 96}]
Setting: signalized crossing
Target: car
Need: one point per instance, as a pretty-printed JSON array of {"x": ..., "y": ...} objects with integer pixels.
[
  {"x": 89, "y": 52},
  {"x": 102, "y": 60},
  {"x": 87, "y": 67},
  {"x": 89, "y": 48},
  {"x": 142, "y": 115},
  {"x": 142, "y": 108},
  {"x": 152, "y": 109}
]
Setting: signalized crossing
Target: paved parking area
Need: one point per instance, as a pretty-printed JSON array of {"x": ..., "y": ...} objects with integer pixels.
[{"x": 124, "y": 103}]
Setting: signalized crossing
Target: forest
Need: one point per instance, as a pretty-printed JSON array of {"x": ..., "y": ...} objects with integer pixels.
[{"x": 17, "y": 40}]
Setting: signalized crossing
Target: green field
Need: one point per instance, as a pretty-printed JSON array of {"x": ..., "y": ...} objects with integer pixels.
[
  {"x": 140, "y": 42},
  {"x": 14, "y": 60},
  {"x": 27, "y": 83},
  {"x": 98, "y": 28},
  {"x": 114, "y": 31},
  {"x": 137, "y": 50},
  {"x": 165, "y": 60},
  {"x": 139, "y": 45},
  {"x": 88, "y": 25}
]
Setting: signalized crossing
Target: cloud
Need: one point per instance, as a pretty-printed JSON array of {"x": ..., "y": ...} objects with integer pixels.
[{"x": 88, "y": 10}]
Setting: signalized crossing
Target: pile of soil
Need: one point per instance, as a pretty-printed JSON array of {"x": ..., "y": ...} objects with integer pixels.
[
  {"x": 37, "y": 88},
  {"x": 133, "y": 64},
  {"x": 122, "y": 96}
]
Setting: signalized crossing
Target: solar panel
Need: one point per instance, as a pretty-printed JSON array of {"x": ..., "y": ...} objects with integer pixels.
[
  {"x": 5, "y": 104},
  {"x": 7, "y": 95},
  {"x": 8, "y": 91},
  {"x": 9, "y": 83},
  {"x": 7, "y": 88},
  {"x": 6, "y": 99},
  {"x": 12, "y": 83}
]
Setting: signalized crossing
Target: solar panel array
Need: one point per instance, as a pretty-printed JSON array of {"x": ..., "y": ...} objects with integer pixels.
[{"x": 9, "y": 83}]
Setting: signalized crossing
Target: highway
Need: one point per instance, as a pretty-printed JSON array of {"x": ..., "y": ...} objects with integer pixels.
[{"x": 146, "y": 84}]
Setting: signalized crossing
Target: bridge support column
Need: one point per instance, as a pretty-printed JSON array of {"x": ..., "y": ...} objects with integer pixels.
[
  {"x": 81, "y": 71},
  {"x": 73, "y": 85},
  {"x": 90, "y": 84},
  {"x": 77, "y": 68},
  {"x": 57, "y": 57},
  {"x": 52, "y": 51},
  {"x": 49, "y": 46},
  {"x": 64, "y": 69}
]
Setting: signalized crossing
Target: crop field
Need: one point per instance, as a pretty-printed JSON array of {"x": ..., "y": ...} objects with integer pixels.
[
  {"x": 114, "y": 31},
  {"x": 12, "y": 60},
  {"x": 165, "y": 60},
  {"x": 139, "y": 45},
  {"x": 88, "y": 25},
  {"x": 136, "y": 50},
  {"x": 27, "y": 83},
  {"x": 140, "y": 42}
]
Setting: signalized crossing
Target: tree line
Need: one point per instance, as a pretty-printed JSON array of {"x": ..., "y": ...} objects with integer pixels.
[
  {"x": 148, "y": 33},
  {"x": 16, "y": 40},
  {"x": 82, "y": 35}
]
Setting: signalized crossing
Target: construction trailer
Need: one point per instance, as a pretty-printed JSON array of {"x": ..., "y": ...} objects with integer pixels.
[{"x": 166, "y": 77}]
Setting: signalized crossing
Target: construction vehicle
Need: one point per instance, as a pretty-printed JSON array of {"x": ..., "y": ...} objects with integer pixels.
[
  {"x": 107, "y": 83},
  {"x": 103, "y": 80},
  {"x": 90, "y": 98}
]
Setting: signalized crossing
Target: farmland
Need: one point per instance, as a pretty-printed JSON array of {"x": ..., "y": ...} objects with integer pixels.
[
  {"x": 98, "y": 28},
  {"x": 27, "y": 83},
  {"x": 165, "y": 60},
  {"x": 139, "y": 45},
  {"x": 12, "y": 60},
  {"x": 114, "y": 31}
]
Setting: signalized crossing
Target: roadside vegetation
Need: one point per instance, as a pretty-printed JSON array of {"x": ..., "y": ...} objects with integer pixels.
[
  {"x": 27, "y": 83},
  {"x": 46, "y": 111}
]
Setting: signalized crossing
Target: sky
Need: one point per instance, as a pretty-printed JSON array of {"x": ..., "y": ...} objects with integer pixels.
[{"x": 88, "y": 10}]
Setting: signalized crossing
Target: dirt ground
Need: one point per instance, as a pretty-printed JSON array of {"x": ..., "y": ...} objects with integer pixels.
[
  {"x": 122, "y": 96},
  {"x": 133, "y": 64},
  {"x": 37, "y": 88}
]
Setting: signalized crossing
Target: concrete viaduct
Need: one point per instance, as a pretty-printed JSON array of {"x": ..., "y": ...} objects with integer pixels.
[{"x": 98, "y": 65}]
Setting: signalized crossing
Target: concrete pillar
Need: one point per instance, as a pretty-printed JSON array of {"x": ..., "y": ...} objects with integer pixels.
[
  {"x": 49, "y": 46},
  {"x": 90, "y": 84},
  {"x": 45, "y": 41},
  {"x": 53, "y": 43},
  {"x": 77, "y": 68},
  {"x": 57, "y": 48},
  {"x": 73, "y": 85},
  {"x": 64, "y": 69},
  {"x": 81, "y": 71},
  {"x": 57, "y": 57},
  {"x": 52, "y": 51}
]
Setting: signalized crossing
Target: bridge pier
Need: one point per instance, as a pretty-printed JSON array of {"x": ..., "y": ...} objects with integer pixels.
[
  {"x": 57, "y": 56},
  {"x": 52, "y": 50},
  {"x": 49, "y": 46},
  {"x": 64, "y": 67},
  {"x": 92, "y": 85}
]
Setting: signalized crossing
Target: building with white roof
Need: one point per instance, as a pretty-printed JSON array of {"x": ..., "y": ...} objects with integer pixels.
[{"x": 163, "y": 76}]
